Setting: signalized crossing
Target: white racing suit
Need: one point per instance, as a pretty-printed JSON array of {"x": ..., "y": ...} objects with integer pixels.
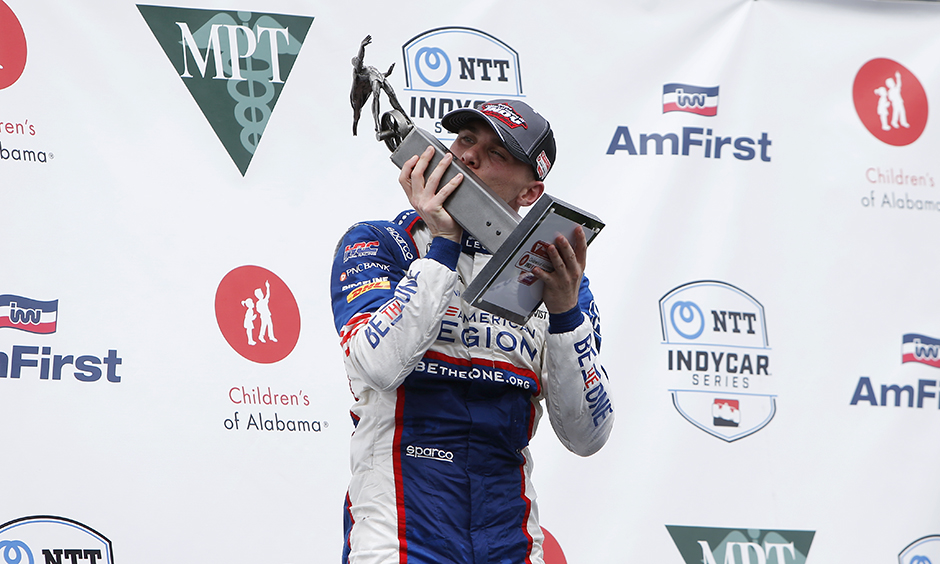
[{"x": 447, "y": 397}]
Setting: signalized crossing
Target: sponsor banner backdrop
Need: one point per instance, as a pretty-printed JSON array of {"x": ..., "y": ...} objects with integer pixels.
[{"x": 175, "y": 178}]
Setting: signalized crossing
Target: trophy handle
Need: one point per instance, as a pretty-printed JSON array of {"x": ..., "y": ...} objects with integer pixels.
[{"x": 395, "y": 126}]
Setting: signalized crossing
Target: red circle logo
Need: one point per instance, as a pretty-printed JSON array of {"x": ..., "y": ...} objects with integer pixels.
[
  {"x": 890, "y": 101},
  {"x": 12, "y": 47},
  {"x": 257, "y": 314},
  {"x": 553, "y": 553}
]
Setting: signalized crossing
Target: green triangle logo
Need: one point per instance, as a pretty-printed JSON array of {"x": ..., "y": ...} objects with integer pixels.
[{"x": 234, "y": 64}]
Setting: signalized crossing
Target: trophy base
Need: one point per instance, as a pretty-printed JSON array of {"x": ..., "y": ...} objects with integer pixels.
[
  {"x": 506, "y": 286},
  {"x": 473, "y": 205}
]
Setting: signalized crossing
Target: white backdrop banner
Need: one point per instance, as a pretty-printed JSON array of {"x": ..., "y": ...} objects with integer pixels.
[{"x": 174, "y": 179}]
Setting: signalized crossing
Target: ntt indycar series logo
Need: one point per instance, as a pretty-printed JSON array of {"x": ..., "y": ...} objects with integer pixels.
[
  {"x": 449, "y": 68},
  {"x": 925, "y": 550},
  {"x": 48, "y": 539},
  {"x": 711, "y": 545},
  {"x": 718, "y": 358}
]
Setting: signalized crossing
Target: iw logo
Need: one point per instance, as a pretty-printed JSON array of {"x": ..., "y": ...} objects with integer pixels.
[{"x": 257, "y": 314}]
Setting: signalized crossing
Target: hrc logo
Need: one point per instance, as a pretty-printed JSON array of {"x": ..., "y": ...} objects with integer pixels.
[
  {"x": 361, "y": 249},
  {"x": 699, "y": 100},
  {"x": 28, "y": 315}
]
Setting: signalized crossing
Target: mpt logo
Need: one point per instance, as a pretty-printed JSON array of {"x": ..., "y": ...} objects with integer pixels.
[
  {"x": 707, "y": 545},
  {"x": 252, "y": 55},
  {"x": 890, "y": 101}
]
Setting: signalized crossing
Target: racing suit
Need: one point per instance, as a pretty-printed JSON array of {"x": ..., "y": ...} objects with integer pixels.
[{"x": 447, "y": 397}]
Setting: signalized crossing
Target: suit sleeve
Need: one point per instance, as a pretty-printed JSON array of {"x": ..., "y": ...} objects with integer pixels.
[
  {"x": 577, "y": 390},
  {"x": 387, "y": 303}
]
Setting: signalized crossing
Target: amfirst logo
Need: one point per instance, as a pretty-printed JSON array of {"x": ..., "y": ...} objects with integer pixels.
[
  {"x": 890, "y": 101},
  {"x": 12, "y": 47}
]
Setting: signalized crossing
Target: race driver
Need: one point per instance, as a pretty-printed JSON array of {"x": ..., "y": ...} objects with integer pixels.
[{"x": 447, "y": 396}]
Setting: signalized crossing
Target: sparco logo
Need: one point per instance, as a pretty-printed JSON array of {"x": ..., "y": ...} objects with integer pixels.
[
  {"x": 707, "y": 545},
  {"x": 718, "y": 358},
  {"x": 431, "y": 453},
  {"x": 235, "y": 65},
  {"x": 44, "y": 538},
  {"x": 457, "y": 67},
  {"x": 925, "y": 550}
]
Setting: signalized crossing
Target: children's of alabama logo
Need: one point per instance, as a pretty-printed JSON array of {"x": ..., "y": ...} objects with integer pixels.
[
  {"x": 711, "y": 545},
  {"x": 456, "y": 67},
  {"x": 890, "y": 101},
  {"x": 257, "y": 314},
  {"x": 45, "y": 538},
  {"x": 235, "y": 65},
  {"x": 12, "y": 47},
  {"x": 717, "y": 358}
]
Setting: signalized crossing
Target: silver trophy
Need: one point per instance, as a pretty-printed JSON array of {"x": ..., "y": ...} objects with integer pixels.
[{"x": 506, "y": 286}]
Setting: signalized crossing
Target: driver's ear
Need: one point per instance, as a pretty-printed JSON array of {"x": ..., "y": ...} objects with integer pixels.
[{"x": 530, "y": 194}]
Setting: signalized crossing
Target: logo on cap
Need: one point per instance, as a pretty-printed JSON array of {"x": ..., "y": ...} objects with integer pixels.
[{"x": 504, "y": 113}]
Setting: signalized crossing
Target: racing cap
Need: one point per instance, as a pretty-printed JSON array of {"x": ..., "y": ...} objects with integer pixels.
[{"x": 523, "y": 131}]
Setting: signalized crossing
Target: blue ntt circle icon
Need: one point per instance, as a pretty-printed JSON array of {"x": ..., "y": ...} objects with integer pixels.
[
  {"x": 13, "y": 552},
  {"x": 688, "y": 312},
  {"x": 433, "y": 58}
]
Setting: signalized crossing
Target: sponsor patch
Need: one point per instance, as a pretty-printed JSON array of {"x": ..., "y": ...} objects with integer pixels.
[
  {"x": 381, "y": 285},
  {"x": 361, "y": 249},
  {"x": 504, "y": 113},
  {"x": 543, "y": 164}
]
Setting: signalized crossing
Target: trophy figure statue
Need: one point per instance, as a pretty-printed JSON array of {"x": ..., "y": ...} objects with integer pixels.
[
  {"x": 505, "y": 286},
  {"x": 369, "y": 81}
]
